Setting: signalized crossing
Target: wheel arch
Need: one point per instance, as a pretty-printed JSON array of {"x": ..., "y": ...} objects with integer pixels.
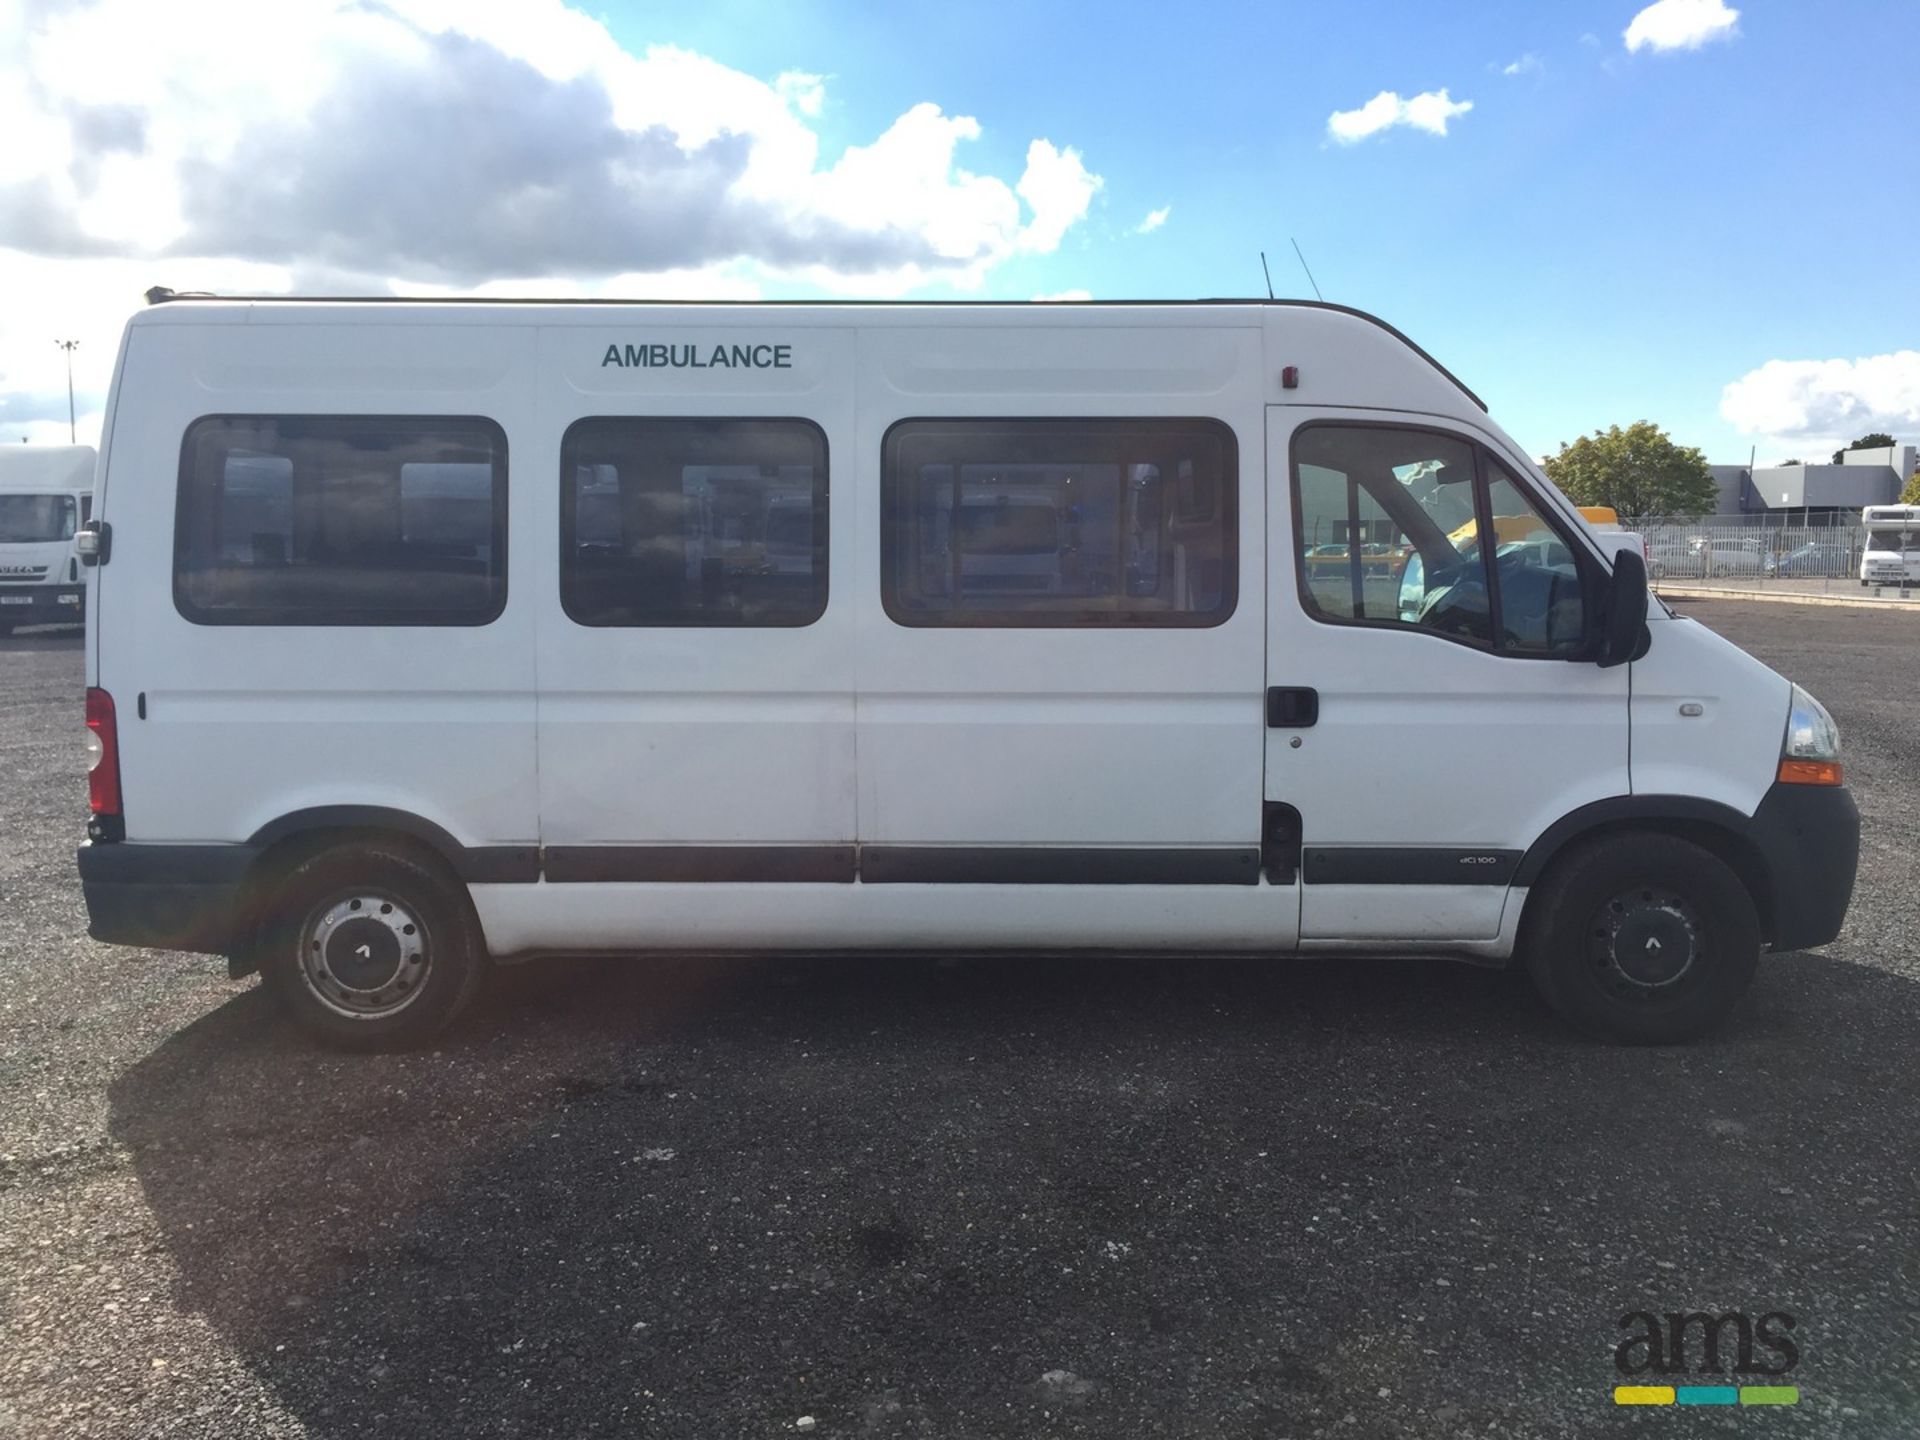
[
  {"x": 1718, "y": 829},
  {"x": 286, "y": 841}
]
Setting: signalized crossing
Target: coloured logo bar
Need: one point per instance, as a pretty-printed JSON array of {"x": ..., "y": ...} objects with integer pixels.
[{"x": 1706, "y": 1395}]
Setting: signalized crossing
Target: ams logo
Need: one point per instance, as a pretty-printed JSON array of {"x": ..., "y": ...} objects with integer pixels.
[{"x": 1665, "y": 1344}]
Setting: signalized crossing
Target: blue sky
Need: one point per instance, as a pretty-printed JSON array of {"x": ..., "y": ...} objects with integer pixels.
[
  {"x": 1601, "y": 234},
  {"x": 1605, "y": 237}
]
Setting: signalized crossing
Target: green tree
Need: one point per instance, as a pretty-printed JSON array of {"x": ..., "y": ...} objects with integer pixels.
[
  {"x": 1911, "y": 495},
  {"x": 1638, "y": 471},
  {"x": 1875, "y": 441}
]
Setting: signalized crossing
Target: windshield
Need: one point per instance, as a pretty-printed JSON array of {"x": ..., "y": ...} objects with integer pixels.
[
  {"x": 1887, "y": 540},
  {"x": 26, "y": 518}
]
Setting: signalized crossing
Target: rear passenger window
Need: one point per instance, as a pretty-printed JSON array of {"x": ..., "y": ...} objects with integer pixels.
[
  {"x": 341, "y": 520},
  {"x": 1059, "y": 522},
  {"x": 693, "y": 522}
]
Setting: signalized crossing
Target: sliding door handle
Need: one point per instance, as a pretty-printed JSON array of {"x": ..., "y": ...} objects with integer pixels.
[{"x": 1292, "y": 707}]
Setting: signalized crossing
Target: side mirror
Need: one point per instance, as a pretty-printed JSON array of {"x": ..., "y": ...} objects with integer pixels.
[{"x": 1623, "y": 627}]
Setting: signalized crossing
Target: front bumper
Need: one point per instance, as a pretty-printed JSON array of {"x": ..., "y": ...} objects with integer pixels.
[
  {"x": 43, "y": 604},
  {"x": 164, "y": 897},
  {"x": 1808, "y": 837}
]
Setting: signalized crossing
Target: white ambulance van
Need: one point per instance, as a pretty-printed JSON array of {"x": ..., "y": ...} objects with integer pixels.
[
  {"x": 426, "y": 635},
  {"x": 46, "y": 495}
]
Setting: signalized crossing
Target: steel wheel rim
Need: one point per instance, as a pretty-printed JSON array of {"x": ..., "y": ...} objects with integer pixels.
[
  {"x": 364, "y": 954},
  {"x": 1647, "y": 943}
]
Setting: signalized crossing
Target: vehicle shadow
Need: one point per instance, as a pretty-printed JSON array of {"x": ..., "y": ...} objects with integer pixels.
[{"x": 996, "y": 1196}]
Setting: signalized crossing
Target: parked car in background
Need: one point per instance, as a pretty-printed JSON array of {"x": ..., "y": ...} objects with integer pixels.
[
  {"x": 1814, "y": 559},
  {"x": 1734, "y": 557},
  {"x": 1666, "y": 558}
]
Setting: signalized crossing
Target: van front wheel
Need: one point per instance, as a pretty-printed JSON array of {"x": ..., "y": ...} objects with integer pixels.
[
  {"x": 1642, "y": 938},
  {"x": 370, "y": 947}
]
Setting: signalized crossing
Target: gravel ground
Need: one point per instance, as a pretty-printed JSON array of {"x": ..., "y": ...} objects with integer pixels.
[{"x": 961, "y": 1198}]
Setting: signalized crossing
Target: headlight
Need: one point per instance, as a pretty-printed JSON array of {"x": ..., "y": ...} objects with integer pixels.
[{"x": 1810, "y": 753}]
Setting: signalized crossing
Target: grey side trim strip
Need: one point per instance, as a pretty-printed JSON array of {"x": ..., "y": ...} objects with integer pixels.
[
  {"x": 1407, "y": 865},
  {"x": 696, "y": 864},
  {"x": 1056, "y": 865},
  {"x": 762, "y": 864},
  {"x": 498, "y": 864}
]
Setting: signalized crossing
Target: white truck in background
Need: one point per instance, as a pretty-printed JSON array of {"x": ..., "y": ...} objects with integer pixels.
[
  {"x": 1892, "y": 552},
  {"x": 46, "y": 495}
]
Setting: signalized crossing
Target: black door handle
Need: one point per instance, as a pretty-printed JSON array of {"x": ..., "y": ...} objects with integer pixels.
[{"x": 1292, "y": 707}]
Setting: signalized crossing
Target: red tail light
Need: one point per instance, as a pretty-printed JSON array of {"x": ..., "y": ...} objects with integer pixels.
[{"x": 103, "y": 745}]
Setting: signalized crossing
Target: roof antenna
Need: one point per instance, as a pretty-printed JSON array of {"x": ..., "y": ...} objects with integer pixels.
[
  {"x": 1310, "y": 280},
  {"x": 1266, "y": 272}
]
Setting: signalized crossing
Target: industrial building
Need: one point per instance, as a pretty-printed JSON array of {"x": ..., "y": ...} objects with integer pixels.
[{"x": 1816, "y": 494}]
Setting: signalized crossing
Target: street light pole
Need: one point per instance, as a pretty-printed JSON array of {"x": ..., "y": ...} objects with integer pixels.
[{"x": 69, "y": 346}]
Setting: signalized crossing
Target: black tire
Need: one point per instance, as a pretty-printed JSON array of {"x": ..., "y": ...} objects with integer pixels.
[
  {"x": 1641, "y": 938},
  {"x": 419, "y": 961}
]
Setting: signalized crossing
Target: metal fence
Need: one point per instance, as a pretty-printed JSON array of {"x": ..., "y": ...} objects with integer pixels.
[
  {"x": 1756, "y": 549},
  {"x": 1719, "y": 551}
]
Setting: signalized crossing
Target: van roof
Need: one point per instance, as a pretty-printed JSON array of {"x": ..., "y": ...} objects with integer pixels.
[{"x": 159, "y": 295}]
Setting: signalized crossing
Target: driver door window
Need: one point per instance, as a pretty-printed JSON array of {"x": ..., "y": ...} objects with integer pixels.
[
  {"x": 1398, "y": 526},
  {"x": 1388, "y": 530}
]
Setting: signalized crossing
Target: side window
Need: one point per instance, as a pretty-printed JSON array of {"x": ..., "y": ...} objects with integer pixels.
[
  {"x": 1538, "y": 578},
  {"x": 1395, "y": 527},
  {"x": 1059, "y": 523},
  {"x": 341, "y": 520},
  {"x": 693, "y": 522},
  {"x": 1388, "y": 530}
]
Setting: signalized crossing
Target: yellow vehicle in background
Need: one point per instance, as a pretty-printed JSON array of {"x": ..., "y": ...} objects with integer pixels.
[{"x": 1506, "y": 529}]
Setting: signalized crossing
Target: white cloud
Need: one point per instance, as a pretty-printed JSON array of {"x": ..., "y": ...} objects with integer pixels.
[
  {"x": 1155, "y": 219},
  {"x": 1065, "y": 295},
  {"x": 1059, "y": 187},
  {"x": 1816, "y": 406},
  {"x": 1429, "y": 111},
  {"x": 1681, "y": 25},
  {"x": 442, "y": 146},
  {"x": 805, "y": 93},
  {"x": 1527, "y": 64}
]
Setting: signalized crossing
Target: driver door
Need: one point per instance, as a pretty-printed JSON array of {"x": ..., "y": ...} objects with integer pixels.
[{"x": 1441, "y": 611}]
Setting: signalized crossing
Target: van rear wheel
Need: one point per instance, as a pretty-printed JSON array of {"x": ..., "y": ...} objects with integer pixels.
[
  {"x": 370, "y": 947},
  {"x": 1642, "y": 938}
]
